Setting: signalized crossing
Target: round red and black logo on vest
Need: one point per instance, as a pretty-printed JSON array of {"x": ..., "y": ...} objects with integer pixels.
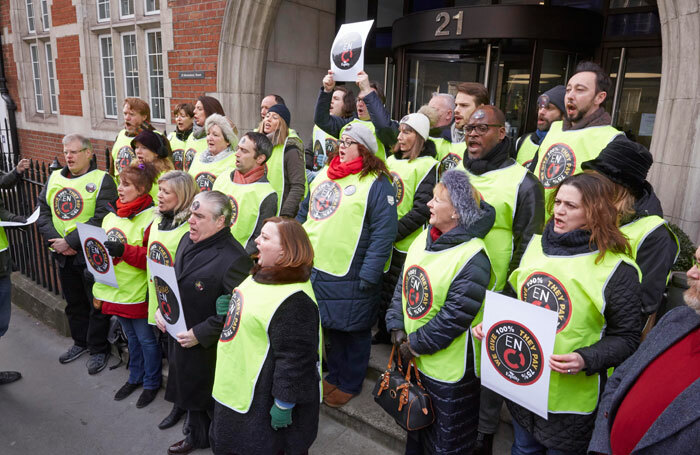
[
  {"x": 559, "y": 163},
  {"x": 398, "y": 187},
  {"x": 514, "y": 352},
  {"x": 167, "y": 301},
  {"x": 233, "y": 317},
  {"x": 542, "y": 289},
  {"x": 97, "y": 255},
  {"x": 450, "y": 162},
  {"x": 205, "y": 181},
  {"x": 160, "y": 254},
  {"x": 234, "y": 212},
  {"x": 178, "y": 156},
  {"x": 418, "y": 292},
  {"x": 347, "y": 50},
  {"x": 189, "y": 157},
  {"x": 325, "y": 200},
  {"x": 67, "y": 204},
  {"x": 116, "y": 235},
  {"x": 125, "y": 156}
]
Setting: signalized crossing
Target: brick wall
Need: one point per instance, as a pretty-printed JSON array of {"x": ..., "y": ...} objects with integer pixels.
[
  {"x": 44, "y": 147},
  {"x": 5, "y": 16},
  {"x": 70, "y": 79},
  {"x": 8, "y": 55},
  {"x": 196, "y": 47},
  {"x": 63, "y": 12}
]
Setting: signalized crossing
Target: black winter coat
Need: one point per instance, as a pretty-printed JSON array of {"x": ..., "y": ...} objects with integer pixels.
[
  {"x": 205, "y": 271},
  {"x": 8, "y": 181},
  {"x": 572, "y": 432}
]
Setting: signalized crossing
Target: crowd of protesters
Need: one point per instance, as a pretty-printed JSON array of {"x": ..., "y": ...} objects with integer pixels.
[{"x": 382, "y": 231}]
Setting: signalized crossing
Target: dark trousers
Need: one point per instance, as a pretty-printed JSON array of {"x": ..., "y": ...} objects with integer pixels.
[
  {"x": 88, "y": 326},
  {"x": 348, "y": 356},
  {"x": 5, "y": 303},
  {"x": 197, "y": 429}
]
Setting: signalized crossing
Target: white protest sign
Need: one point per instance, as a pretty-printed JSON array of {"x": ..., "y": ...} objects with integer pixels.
[
  {"x": 323, "y": 145},
  {"x": 168, "y": 297},
  {"x": 32, "y": 219},
  {"x": 347, "y": 52},
  {"x": 518, "y": 340},
  {"x": 99, "y": 262}
]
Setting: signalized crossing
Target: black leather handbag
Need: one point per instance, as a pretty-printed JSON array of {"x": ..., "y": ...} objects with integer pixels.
[{"x": 409, "y": 404}]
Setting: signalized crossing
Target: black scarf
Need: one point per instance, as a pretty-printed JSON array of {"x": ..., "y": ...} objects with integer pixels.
[
  {"x": 183, "y": 135},
  {"x": 491, "y": 160},
  {"x": 566, "y": 244}
]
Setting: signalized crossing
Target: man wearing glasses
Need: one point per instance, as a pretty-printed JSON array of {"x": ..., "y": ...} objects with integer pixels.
[
  {"x": 78, "y": 193},
  {"x": 517, "y": 196},
  {"x": 550, "y": 108}
]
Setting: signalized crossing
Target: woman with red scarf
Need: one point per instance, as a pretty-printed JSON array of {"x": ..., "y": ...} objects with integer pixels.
[
  {"x": 127, "y": 230},
  {"x": 350, "y": 217}
]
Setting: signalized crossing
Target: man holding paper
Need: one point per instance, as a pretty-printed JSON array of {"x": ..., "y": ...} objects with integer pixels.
[{"x": 78, "y": 193}]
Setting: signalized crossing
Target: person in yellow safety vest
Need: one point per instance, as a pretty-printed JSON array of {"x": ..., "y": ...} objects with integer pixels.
[
  {"x": 137, "y": 117},
  {"x": 184, "y": 123},
  {"x": 176, "y": 190},
  {"x": 154, "y": 149},
  {"x": 219, "y": 157},
  {"x": 350, "y": 216},
  {"x": 204, "y": 106},
  {"x": 444, "y": 281},
  {"x": 127, "y": 229},
  {"x": 285, "y": 168},
  {"x": 370, "y": 112},
  {"x": 582, "y": 134},
  {"x": 252, "y": 197},
  {"x": 550, "y": 108},
  {"x": 518, "y": 199},
  {"x": 257, "y": 389},
  {"x": 654, "y": 246},
  {"x": 77, "y": 193},
  {"x": 414, "y": 169},
  {"x": 470, "y": 96},
  {"x": 581, "y": 268}
]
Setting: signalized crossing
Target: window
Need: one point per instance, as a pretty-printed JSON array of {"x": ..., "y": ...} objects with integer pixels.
[
  {"x": 50, "y": 70},
  {"x": 131, "y": 65},
  {"x": 45, "y": 14},
  {"x": 155, "y": 75},
  {"x": 108, "y": 87},
  {"x": 126, "y": 8},
  {"x": 36, "y": 75},
  {"x": 30, "y": 16},
  {"x": 152, "y": 6},
  {"x": 102, "y": 10}
]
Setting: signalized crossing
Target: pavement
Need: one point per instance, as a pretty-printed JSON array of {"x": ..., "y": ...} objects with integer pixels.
[{"x": 60, "y": 409}]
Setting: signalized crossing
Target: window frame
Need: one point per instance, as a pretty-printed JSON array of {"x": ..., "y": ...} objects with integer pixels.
[
  {"x": 135, "y": 59},
  {"x": 100, "y": 39},
  {"x": 133, "y": 9},
  {"x": 31, "y": 17},
  {"x": 45, "y": 16},
  {"x": 36, "y": 78},
  {"x": 51, "y": 76},
  {"x": 146, "y": 12},
  {"x": 149, "y": 73},
  {"x": 98, "y": 3}
]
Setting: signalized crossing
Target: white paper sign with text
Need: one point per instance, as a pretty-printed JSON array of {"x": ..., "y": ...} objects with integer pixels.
[
  {"x": 347, "y": 52},
  {"x": 99, "y": 262},
  {"x": 168, "y": 297}
]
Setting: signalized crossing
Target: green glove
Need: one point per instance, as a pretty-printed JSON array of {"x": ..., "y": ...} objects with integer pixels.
[
  {"x": 280, "y": 417},
  {"x": 222, "y": 304}
]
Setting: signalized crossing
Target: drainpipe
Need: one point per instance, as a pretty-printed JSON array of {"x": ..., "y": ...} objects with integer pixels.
[{"x": 11, "y": 107}]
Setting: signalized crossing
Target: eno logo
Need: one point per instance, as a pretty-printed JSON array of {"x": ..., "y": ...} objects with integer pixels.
[{"x": 514, "y": 352}]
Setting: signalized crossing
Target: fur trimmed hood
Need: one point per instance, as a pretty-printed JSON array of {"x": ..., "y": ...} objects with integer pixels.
[{"x": 280, "y": 275}]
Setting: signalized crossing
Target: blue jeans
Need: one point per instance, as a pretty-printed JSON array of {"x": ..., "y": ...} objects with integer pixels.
[
  {"x": 526, "y": 444},
  {"x": 348, "y": 356},
  {"x": 5, "y": 303},
  {"x": 144, "y": 353}
]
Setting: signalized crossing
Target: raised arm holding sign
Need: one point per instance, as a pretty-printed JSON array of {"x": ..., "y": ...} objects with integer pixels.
[{"x": 347, "y": 52}]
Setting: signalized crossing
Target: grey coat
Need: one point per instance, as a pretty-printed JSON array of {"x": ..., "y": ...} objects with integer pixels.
[{"x": 677, "y": 429}]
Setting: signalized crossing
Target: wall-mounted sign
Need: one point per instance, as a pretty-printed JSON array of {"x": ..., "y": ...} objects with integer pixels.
[{"x": 191, "y": 75}]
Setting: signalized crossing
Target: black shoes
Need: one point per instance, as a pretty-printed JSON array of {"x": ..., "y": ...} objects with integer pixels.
[
  {"x": 97, "y": 362},
  {"x": 125, "y": 390},
  {"x": 171, "y": 419},
  {"x": 7, "y": 377},
  {"x": 146, "y": 397},
  {"x": 484, "y": 444},
  {"x": 71, "y": 354},
  {"x": 180, "y": 448}
]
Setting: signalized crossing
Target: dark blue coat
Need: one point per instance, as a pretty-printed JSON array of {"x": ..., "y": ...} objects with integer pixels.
[{"x": 350, "y": 303}]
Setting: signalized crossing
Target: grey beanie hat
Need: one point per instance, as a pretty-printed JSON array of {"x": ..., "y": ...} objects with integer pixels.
[
  {"x": 556, "y": 96},
  {"x": 363, "y": 135},
  {"x": 461, "y": 194},
  {"x": 227, "y": 127}
]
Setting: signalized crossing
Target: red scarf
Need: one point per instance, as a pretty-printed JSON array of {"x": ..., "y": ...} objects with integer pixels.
[
  {"x": 251, "y": 176},
  {"x": 435, "y": 233},
  {"x": 338, "y": 170},
  {"x": 127, "y": 209}
]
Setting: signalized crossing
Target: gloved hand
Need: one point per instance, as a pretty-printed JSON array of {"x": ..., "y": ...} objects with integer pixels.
[
  {"x": 280, "y": 418},
  {"x": 222, "y": 304},
  {"x": 18, "y": 219},
  {"x": 398, "y": 336},
  {"x": 365, "y": 285},
  {"x": 115, "y": 248},
  {"x": 406, "y": 353}
]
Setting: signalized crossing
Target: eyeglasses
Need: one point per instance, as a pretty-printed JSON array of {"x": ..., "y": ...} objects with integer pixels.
[
  {"x": 73, "y": 152},
  {"x": 347, "y": 143},
  {"x": 481, "y": 128}
]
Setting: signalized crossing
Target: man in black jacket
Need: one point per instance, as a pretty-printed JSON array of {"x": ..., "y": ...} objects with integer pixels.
[{"x": 77, "y": 193}]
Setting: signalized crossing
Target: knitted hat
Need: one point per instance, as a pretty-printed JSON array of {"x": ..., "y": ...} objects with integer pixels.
[
  {"x": 556, "y": 96},
  {"x": 227, "y": 127},
  {"x": 419, "y": 122},
  {"x": 363, "y": 135},
  {"x": 624, "y": 162},
  {"x": 152, "y": 141},
  {"x": 282, "y": 111},
  {"x": 461, "y": 194}
]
